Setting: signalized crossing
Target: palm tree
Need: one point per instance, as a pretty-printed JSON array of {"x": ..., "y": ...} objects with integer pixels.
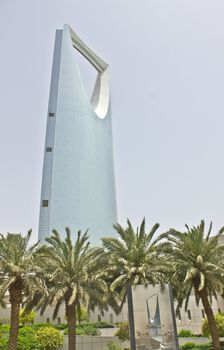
[
  {"x": 135, "y": 257},
  {"x": 199, "y": 265},
  {"x": 18, "y": 275},
  {"x": 75, "y": 277}
]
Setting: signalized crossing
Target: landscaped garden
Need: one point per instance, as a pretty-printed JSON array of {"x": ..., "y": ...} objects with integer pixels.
[
  {"x": 41, "y": 336},
  {"x": 72, "y": 273}
]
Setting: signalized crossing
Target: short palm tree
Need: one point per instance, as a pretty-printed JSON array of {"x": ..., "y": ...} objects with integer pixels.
[
  {"x": 199, "y": 264},
  {"x": 19, "y": 274},
  {"x": 74, "y": 273},
  {"x": 134, "y": 256}
]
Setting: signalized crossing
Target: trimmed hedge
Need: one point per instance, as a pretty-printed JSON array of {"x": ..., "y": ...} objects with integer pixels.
[
  {"x": 188, "y": 345},
  {"x": 185, "y": 333},
  {"x": 193, "y": 346},
  {"x": 87, "y": 330}
]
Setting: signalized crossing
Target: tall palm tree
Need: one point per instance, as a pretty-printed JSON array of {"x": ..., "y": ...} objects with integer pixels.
[
  {"x": 199, "y": 265},
  {"x": 19, "y": 274},
  {"x": 135, "y": 257},
  {"x": 75, "y": 276}
]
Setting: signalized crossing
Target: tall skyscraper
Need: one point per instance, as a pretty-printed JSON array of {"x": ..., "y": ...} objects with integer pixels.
[{"x": 78, "y": 186}]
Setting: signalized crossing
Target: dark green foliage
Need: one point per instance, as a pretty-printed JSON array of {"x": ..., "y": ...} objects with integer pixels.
[
  {"x": 114, "y": 346},
  {"x": 61, "y": 326},
  {"x": 26, "y": 339},
  {"x": 3, "y": 343},
  {"x": 188, "y": 345},
  {"x": 4, "y": 328},
  {"x": 26, "y": 317},
  {"x": 33, "y": 338},
  {"x": 81, "y": 314},
  {"x": 98, "y": 325},
  {"x": 185, "y": 333},
  {"x": 207, "y": 346},
  {"x": 219, "y": 319},
  {"x": 123, "y": 331},
  {"x": 36, "y": 326},
  {"x": 85, "y": 330},
  {"x": 101, "y": 324}
]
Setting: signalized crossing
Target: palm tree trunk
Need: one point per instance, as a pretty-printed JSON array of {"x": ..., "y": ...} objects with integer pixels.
[
  {"x": 15, "y": 299},
  {"x": 211, "y": 320},
  {"x": 71, "y": 318}
]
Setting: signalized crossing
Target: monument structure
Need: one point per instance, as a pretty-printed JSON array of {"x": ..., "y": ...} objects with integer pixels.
[{"x": 78, "y": 185}]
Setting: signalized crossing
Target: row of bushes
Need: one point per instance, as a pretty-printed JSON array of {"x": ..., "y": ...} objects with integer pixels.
[
  {"x": 41, "y": 336},
  {"x": 44, "y": 338},
  {"x": 193, "y": 346},
  {"x": 115, "y": 346},
  {"x": 98, "y": 325}
]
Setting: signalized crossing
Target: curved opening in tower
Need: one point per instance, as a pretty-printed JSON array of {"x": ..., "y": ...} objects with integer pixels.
[
  {"x": 88, "y": 72},
  {"x": 101, "y": 92}
]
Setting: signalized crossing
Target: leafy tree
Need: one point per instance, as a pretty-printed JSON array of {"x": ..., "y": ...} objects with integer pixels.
[
  {"x": 19, "y": 273},
  {"x": 199, "y": 264},
  {"x": 26, "y": 317},
  {"x": 75, "y": 276}
]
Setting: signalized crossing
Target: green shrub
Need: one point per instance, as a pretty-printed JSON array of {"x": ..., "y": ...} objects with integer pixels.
[
  {"x": 207, "y": 346},
  {"x": 185, "y": 333},
  {"x": 82, "y": 316},
  {"x": 26, "y": 339},
  {"x": 188, "y": 345},
  {"x": 49, "y": 338},
  {"x": 85, "y": 330},
  {"x": 219, "y": 319},
  {"x": 24, "y": 330},
  {"x": 114, "y": 346},
  {"x": 88, "y": 330},
  {"x": 4, "y": 328},
  {"x": 28, "y": 342},
  {"x": 37, "y": 326},
  {"x": 61, "y": 326},
  {"x": 123, "y": 331},
  {"x": 103, "y": 324},
  {"x": 3, "y": 343},
  {"x": 26, "y": 317}
]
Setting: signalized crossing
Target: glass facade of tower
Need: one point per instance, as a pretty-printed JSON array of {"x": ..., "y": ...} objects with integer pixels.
[{"x": 78, "y": 186}]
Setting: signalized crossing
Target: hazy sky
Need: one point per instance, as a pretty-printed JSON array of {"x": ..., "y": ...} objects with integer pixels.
[{"x": 167, "y": 86}]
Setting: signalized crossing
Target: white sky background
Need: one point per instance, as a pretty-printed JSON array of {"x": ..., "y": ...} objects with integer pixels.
[{"x": 167, "y": 88}]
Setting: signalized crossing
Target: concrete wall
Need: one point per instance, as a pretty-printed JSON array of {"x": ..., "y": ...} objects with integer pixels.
[
  {"x": 194, "y": 324},
  {"x": 91, "y": 343}
]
